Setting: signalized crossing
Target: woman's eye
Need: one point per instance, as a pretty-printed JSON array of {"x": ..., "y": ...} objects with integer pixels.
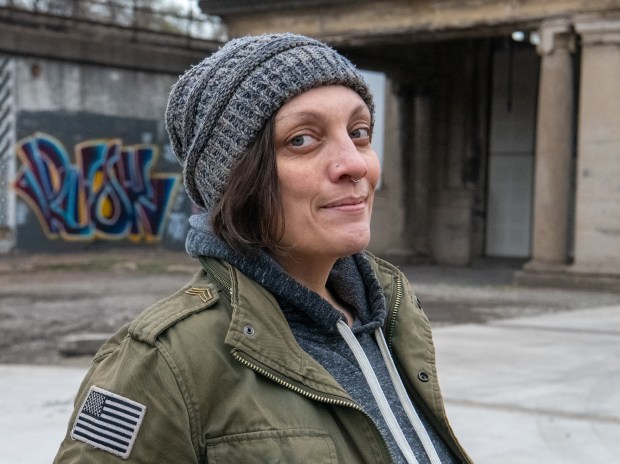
[
  {"x": 300, "y": 141},
  {"x": 360, "y": 133}
]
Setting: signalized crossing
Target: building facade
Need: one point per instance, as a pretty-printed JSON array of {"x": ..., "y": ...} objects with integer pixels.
[{"x": 502, "y": 125}]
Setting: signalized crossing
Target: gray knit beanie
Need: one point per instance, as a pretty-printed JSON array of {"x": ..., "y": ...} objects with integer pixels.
[{"x": 217, "y": 108}]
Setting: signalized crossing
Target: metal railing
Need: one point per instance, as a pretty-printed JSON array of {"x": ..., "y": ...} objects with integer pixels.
[{"x": 163, "y": 16}]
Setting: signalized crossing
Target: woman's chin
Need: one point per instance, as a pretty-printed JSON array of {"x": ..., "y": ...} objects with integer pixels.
[{"x": 350, "y": 245}]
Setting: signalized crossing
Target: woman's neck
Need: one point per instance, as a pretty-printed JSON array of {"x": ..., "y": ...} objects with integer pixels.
[{"x": 313, "y": 273}]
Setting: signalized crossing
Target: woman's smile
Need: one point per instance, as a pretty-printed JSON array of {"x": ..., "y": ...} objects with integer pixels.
[{"x": 352, "y": 204}]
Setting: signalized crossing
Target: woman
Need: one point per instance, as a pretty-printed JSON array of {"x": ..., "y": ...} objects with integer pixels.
[{"x": 292, "y": 344}]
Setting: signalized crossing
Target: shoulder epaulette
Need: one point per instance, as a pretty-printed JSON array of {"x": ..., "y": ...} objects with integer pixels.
[{"x": 197, "y": 295}]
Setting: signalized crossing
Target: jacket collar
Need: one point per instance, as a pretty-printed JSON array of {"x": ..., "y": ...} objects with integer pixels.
[{"x": 260, "y": 333}]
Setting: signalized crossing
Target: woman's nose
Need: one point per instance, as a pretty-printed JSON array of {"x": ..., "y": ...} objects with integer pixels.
[{"x": 347, "y": 161}]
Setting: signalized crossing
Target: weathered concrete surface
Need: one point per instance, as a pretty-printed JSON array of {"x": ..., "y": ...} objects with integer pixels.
[
  {"x": 388, "y": 214},
  {"x": 367, "y": 21},
  {"x": 536, "y": 390},
  {"x": 44, "y": 298},
  {"x": 35, "y": 405},
  {"x": 597, "y": 224},
  {"x": 554, "y": 144},
  {"x": 29, "y": 34},
  {"x": 53, "y": 85}
]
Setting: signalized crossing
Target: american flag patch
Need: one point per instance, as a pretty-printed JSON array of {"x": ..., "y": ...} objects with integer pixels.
[{"x": 108, "y": 421}]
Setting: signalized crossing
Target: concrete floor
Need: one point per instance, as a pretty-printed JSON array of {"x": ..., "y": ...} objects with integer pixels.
[
  {"x": 529, "y": 375},
  {"x": 535, "y": 390},
  {"x": 542, "y": 389}
]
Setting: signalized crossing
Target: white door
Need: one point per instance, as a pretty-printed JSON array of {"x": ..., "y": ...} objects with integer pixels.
[{"x": 511, "y": 157}]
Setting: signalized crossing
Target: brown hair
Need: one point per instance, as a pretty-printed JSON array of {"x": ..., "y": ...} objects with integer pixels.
[{"x": 250, "y": 215}]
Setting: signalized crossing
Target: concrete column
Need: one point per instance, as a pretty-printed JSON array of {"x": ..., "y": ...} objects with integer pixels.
[
  {"x": 421, "y": 172},
  {"x": 7, "y": 157},
  {"x": 388, "y": 217},
  {"x": 554, "y": 144},
  {"x": 597, "y": 219}
]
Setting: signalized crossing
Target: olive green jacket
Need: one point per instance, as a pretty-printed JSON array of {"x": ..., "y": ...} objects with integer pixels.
[{"x": 223, "y": 380}]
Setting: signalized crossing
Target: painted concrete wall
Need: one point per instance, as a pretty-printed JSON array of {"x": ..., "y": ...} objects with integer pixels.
[
  {"x": 94, "y": 164},
  {"x": 82, "y": 139}
]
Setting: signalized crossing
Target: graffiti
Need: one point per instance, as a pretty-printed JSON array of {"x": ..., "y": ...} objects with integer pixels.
[{"x": 109, "y": 193}]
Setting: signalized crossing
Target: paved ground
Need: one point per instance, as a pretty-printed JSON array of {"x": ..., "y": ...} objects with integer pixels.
[
  {"x": 535, "y": 390},
  {"x": 529, "y": 375}
]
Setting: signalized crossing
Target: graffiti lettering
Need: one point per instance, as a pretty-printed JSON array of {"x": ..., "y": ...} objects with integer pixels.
[{"x": 109, "y": 193}]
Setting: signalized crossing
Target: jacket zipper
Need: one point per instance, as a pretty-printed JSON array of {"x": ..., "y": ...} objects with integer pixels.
[
  {"x": 397, "y": 296},
  {"x": 280, "y": 381},
  {"x": 216, "y": 274},
  {"x": 312, "y": 396}
]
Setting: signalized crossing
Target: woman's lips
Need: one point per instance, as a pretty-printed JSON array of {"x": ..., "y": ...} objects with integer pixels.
[{"x": 347, "y": 204}]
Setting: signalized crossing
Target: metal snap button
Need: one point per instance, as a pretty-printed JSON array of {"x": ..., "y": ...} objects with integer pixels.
[
  {"x": 249, "y": 330},
  {"x": 424, "y": 376}
]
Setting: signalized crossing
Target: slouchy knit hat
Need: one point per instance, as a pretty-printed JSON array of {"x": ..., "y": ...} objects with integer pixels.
[{"x": 217, "y": 108}]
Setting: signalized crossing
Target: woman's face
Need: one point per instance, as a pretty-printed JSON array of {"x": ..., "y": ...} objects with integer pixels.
[{"x": 322, "y": 145}]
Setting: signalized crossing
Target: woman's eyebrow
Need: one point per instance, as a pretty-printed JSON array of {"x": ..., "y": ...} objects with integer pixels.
[
  {"x": 302, "y": 115},
  {"x": 317, "y": 116},
  {"x": 361, "y": 108}
]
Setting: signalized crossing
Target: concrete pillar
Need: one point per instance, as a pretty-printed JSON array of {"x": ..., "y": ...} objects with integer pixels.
[
  {"x": 421, "y": 175},
  {"x": 597, "y": 220},
  {"x": 388, "y": 217},
  {"x": 554, "y": 145},
  {"x": 7, "y": 157}
]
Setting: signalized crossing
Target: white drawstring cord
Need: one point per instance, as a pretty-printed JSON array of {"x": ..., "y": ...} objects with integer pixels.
[
  {"x": 405, "y": 400},
  {"x": 377, "y": 392}
]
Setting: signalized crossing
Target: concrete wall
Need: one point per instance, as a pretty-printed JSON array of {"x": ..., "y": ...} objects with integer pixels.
[
  {"x": 52, "y": 85},
  {"x": 84, "y": 157},
  {"x": 434, "y": 159},
  {"x": 95, "y": 165},
  {"x": 339, "y": 22}
]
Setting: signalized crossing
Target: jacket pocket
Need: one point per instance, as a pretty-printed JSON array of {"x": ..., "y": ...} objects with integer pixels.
[{"x": 291, "y": 446}]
